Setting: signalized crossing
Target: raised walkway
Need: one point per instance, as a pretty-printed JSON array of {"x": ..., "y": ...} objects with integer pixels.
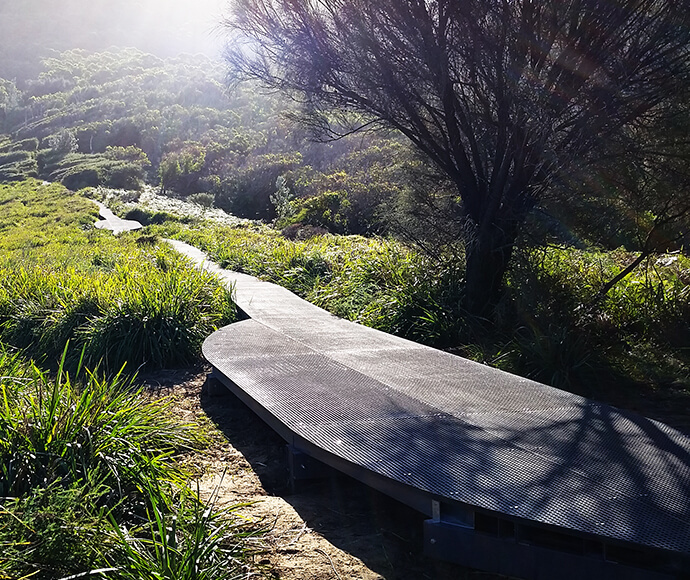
[
  {"x": 516, "y": 477},
  {"x": 109, "y": 221}
]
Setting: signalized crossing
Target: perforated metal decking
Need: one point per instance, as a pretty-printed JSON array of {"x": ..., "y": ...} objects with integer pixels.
[{"x": 516, "y": 477}]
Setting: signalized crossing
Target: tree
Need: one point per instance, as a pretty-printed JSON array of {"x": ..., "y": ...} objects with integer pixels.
[{"x": 505, "y": 97}]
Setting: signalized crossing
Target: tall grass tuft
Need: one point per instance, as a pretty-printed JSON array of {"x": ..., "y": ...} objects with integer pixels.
[
  {"x": 54, "y": 431},
  {"x": 89, "y": 484},
  {"x": 152, "y": 310},
  {"x": 192, "y": 543},
  {"x": 118, "y": 300}
]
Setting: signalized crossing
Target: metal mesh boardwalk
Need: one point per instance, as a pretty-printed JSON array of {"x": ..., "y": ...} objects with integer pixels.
[{"x": 472, "y": 447}]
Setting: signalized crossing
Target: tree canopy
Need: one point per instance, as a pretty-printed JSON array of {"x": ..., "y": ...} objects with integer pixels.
[{"x": 508, "y": 98}]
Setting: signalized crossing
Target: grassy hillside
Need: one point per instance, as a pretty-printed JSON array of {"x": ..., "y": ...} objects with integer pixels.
[
  {"x": 91, "y": 476},
  {"x": 127, "y": 300}
]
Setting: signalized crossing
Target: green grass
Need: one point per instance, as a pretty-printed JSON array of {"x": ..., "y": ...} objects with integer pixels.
[
  {"x": 122, "y": 301},
  {"x": 57, "y": 431},
  {"x": 376, "y": 282},
  {"x": 192, "y": 543},
  {"x": 638, "y": 332},
  {"x": 90, "y": 477},
  {"x": 89, "y": 480}
]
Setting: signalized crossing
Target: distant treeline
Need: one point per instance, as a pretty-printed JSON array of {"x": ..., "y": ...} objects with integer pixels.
[{"x": 123, "y": 118}]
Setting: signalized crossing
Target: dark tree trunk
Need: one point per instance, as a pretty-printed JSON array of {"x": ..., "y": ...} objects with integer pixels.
[{"x": 487, "y": 255}]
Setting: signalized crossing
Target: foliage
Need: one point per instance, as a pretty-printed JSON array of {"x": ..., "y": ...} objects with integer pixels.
[
  {"x": 281, "y": 199},
  {"x": 83, "y": 464},
  {"x": 17, "y": 165},
  {"x": 247, "y": 186},
  {"x": 101, "y": 433},
  {"x": 202, "y": 199},
  {"x": 637, "y": 332},
  {"x": 372, "y": 281},
  {"x": 122, "y": 302},
  {"x": 328, "y": 210},
  {"x": 52, "y": 533},
  {"x": 122, "y": 118},
  {"x": 507, "y": 99},
  {"x": 63, "y": 142},
  {"x": 180, "y": 170},
  {"x": 118, "y": 167},
  {"x": 147, "y": 217},
  {"x": 195, "y": 543},
  {"x": 85, "y": 459}
]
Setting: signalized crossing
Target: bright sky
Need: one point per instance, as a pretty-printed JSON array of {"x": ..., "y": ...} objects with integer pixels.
[
  {"x": 165, "y": 27},
  {"x": 194, "y": 22}
]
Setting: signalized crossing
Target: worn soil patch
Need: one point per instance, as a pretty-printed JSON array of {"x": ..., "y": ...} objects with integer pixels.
[{"x": 334, "y": 528}]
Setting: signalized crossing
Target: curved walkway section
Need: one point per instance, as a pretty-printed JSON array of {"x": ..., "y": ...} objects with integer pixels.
[
  {"x": 517, "y": 477},
  {"x": 111, "y": 222}
]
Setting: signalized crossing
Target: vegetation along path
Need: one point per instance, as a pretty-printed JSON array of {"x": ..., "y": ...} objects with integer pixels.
[{"x": 516, "y": 477}]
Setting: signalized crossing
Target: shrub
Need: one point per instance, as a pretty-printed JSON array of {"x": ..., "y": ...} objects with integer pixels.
[
  {"x": 77, "y": 178},
  {"x": 14, "y": 157},
  {"x": 17, "y": 166},
  {"x": 52, "y": 533},
  {"x": 95, "y": 489},
  {"x": 30, "y": 144},
  {"x": 147, "y": 217},
  {"x": 327, "y": 210},
  {"x": 250, "y": 184},
  {"x": 150, "y": 309},
  {"x": 202, "y": 199}
]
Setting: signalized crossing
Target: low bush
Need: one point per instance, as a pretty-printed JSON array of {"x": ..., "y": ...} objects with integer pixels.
[
  {"x": 202, "y": 199},
  {"x": 17, "y": 165},
  {"x": 142, "y": 306},
  {"x": 147, "y": 217},
  {"x": 76, "y": 171},
  {"x": 30, "y": 144},
  {"x": 52, "y": 533},
  {"x": 13, "y": 157},
  {"x": 55, "y": 431}
]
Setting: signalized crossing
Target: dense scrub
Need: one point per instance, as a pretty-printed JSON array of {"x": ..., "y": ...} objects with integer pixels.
[
  {"x": 122, "y": 118},
  {"x": 117, "y": 301}
]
